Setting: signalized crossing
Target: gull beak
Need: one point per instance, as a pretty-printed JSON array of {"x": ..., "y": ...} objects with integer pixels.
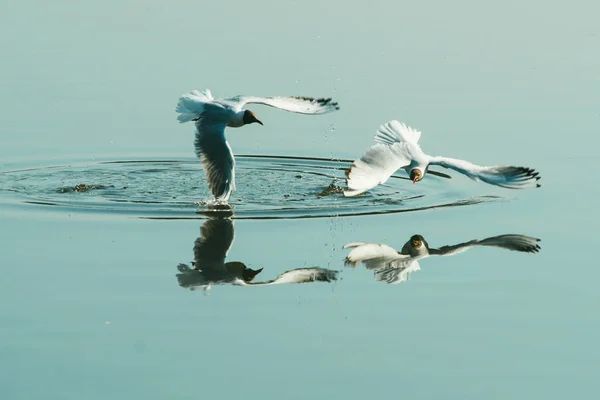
[
  {"x": 258, "y": 121},
  {"x": 414, "y": 180}
]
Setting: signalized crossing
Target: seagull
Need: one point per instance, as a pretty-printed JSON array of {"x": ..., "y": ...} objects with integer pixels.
[
  {"x": 212, "y": 116},
  {"x": 209, "y": 266},
  {"x": 396, "y": 146},
  {"x": 394, "y": 267}
]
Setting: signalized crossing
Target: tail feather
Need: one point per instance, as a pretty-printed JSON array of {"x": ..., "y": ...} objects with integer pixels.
[{"x": 191, "y": 105}]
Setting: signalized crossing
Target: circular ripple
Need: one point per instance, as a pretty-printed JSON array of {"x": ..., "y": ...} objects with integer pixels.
[{"x": 267, "y": 188}]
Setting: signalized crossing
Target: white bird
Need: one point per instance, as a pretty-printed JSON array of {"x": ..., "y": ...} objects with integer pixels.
[
  {"x": 212, "y": 116},
  {"x": 396, "y": 146},
  {"x": 210, "y": 268},
  {"x": 394, "y": 267}
]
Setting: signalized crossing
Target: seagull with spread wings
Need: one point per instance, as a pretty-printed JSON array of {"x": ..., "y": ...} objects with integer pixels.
[
  {"x": 393, "y": 266},
  {"x": 209, "y": 266},
  {"x": 212, "y": 116},
  {"x": 396, "y": 146}
]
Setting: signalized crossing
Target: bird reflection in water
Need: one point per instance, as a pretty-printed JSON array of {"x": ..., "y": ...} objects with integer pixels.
[
  {"x": 209, "y": 266},
  {"x": 391, "y": 266}
]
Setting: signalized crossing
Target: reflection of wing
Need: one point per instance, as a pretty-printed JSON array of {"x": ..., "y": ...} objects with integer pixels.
[
  {"x": 191, "y": 279},
  {"x": 372, "y": 254},
  {"x": 521, "y": 243},
  {"x": 388, "y": 265},
  {"x": 216, "y": 238},
  {"x": 397, "y": 272},
  {"x": 301, "y": 275}
]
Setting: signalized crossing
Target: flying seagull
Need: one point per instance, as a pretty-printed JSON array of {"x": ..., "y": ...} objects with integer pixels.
[
  {"x": 393, "y": 266},
  {"x": 396, "y": 146},
  {"x": 212, "y": 116},
  {"x": 209, "y": 266}
]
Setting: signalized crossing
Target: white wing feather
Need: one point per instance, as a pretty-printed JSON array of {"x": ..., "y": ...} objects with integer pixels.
[
  {"x": 393, "y": 131},
  {"x": 506, "y": 177},
  {"x": 191, "y": 105}
]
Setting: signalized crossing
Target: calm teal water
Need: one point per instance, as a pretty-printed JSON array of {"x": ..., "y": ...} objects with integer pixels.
[{"x": 90, "y": 306}]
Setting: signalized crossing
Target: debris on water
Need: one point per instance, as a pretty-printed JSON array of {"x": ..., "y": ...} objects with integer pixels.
[
  {"x": 332, "y": 189},
  {"x": 82, "y": 187},
  {"x": 299, "y": 176}
]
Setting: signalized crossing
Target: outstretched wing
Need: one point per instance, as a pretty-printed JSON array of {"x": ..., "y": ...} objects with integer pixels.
[
  {"x": 521, "y": 243},
  {"x": 216, "y": 155},
  {"x": 301, "y": 275},
  {"x": 301, "y": 105},
  {"x": 506, "y": 177}
]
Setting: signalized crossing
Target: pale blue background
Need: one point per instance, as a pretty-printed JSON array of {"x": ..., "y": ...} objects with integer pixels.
[{"x": 506, "y": 83}]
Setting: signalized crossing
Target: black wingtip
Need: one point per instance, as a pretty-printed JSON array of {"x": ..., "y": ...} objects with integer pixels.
[{"x": 323, "y": 101}]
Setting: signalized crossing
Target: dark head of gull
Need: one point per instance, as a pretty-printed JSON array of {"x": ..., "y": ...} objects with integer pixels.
[
  {"x": 249, "y": 118},
  {"x": 249, "y": 274},
  {"x": 416, "y": 241},
  {"x": 416, "y": 175}
]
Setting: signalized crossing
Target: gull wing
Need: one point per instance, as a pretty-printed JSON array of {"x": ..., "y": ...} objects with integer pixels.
[
  {"x": 301, "y": 105},
  {"x": 507, "y": 177},
  {"x": 216, "y": 155}
]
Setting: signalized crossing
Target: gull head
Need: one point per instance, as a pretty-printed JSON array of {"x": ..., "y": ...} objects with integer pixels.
[
  {"x": 416, "y": 241},
  {"x": 249, "y": 274},
  {"x": 416, "y": 175},
  {"x": 249, "y": 118}
]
